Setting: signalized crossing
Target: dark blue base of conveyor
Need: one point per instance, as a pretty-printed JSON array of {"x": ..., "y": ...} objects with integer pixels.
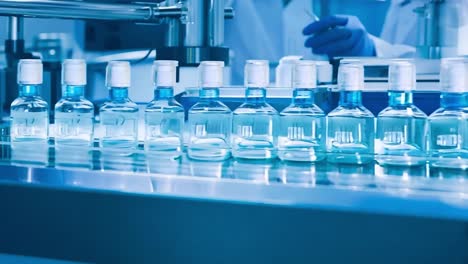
[{"x": 103, "y": 227}]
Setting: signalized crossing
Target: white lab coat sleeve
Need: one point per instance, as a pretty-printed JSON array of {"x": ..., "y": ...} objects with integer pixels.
[{"x": 383, "y": 49}]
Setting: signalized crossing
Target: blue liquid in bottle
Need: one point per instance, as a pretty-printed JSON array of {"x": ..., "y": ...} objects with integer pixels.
[
  {"x": 210, "y": 127},
  {"x": 119, "y": 116},
  {"x": 350, "y": 136},
  {"x": 29, "y": 112},
  {"x": 164, "y": 118},
  {"x": 302, "y": 129},
  {"x": 255, "y": 127},
  {"x": 401, "y": 132}
]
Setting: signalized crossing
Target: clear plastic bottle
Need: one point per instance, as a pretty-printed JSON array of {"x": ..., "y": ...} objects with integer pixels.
[
  {"x": 302, "y": 124},
  {"x": 350, "y": 136},
  {"x": 401, "y": 127},
  {"x": 164, "y": 116},
  {"x": 74, "y": 114},
  {"x": 255, "y": 122},
  {"x": 448, "y": 125},
  {"x": 210, "y": 120},
  {"x": 119, "y": 115},
  {"x": 29, "y": 112}
]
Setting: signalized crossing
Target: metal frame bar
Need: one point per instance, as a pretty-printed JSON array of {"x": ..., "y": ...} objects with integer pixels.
[{"x": 87, "y": 10}]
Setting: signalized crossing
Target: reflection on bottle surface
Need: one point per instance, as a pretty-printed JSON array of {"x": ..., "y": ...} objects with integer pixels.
[
  {"x": 302, "y": 138},
  {"x": 116, "y": 161},
  {"x": 75, "y": 129},
  {"x": 29, "y": 127},
  {"x": 32, "y": 153},
  {"x": 164, "y": 133},
  {"x": 446, "y": 173},
  {"x": 257, "y": 171},
  {"x": 350, "y": 138},
  {"x": 356, "y": 175},
  {"x": 209, "y": 134},
  {"x": 401, "y": 171},
  {"x": 302, "y": 129},
  {"x": 120, "y": 129},
  {"x": 401, "y": 132},
  {"x": 208, "y": 169},
  {"x": 73, "y": 157},
  {"x": 254, "y": 135},
  {"x": 401, "y": 140},
  {"x": 163, "y": 166},
  {"x": 448, "y": 132},
  {"x": 303, "y": 173}
]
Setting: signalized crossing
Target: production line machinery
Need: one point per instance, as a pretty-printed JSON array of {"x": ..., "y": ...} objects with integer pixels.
[{"x": 92, "y": 206}]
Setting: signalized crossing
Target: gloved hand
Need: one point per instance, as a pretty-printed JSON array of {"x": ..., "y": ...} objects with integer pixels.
[{"x": 339, "y": 36}]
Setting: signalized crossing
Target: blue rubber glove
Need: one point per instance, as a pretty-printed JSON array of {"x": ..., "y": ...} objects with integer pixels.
[{"x": 339, "y": 36}]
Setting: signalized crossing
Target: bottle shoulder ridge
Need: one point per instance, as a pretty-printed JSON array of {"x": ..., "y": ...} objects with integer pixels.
[
  {"x": 292, "y": 108},
  {"x": 242, "y": 109},
  {"x": 360, "y": 111},
  {"x": 440, "y": 112},
  {"x": 109, "y": 106},
  {"x": 30, "y": 103},
  {"x": 410, "y": 111}
]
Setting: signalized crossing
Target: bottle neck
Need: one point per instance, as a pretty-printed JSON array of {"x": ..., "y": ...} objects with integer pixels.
[
  {"x": 303, "y": 96},
  {"x": 454, "y": 100},
  {"x": 400, "y": 98},
  {"x": 350, "y": 98},
  {"x": 255, "y": 95},
  {"x": 73, "y": 91},
  {"x": 29, "y": 89},
  {"x": 163, "y": 92},
  {"x": 118, "y": 93},
  {"x": 209, "y": 93}
]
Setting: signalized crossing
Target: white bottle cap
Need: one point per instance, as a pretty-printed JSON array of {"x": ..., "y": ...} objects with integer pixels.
[
  {"x": 211, "y": 74},
  {"x": 284, "y": 71},
  {"x": 305, "y": 74},
  {"x": 401, "y": 75},
  {"x": 29, "y": 71},
  {"x": 257, "y": 73},
  {"x": 454, "y": 75},
  {"x": 118, "y": 74},
  {"x": 165, "y": 73},
  {"x": 74, "y": 72},
  {"x": 351, "y": 76}
]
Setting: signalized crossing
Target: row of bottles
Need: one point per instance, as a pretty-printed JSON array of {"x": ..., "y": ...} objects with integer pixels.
[
  {"x": 74, "y": 115},
  {"x": 402, "y": 134}
]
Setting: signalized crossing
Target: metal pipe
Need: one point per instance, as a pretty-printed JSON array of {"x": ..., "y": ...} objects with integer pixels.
[
  {"x": 15, "y": 28},
  {"x": 194, "y": 30},
  {"x": 87, "y": 10},
  {"x": 215, "y": 23}
]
